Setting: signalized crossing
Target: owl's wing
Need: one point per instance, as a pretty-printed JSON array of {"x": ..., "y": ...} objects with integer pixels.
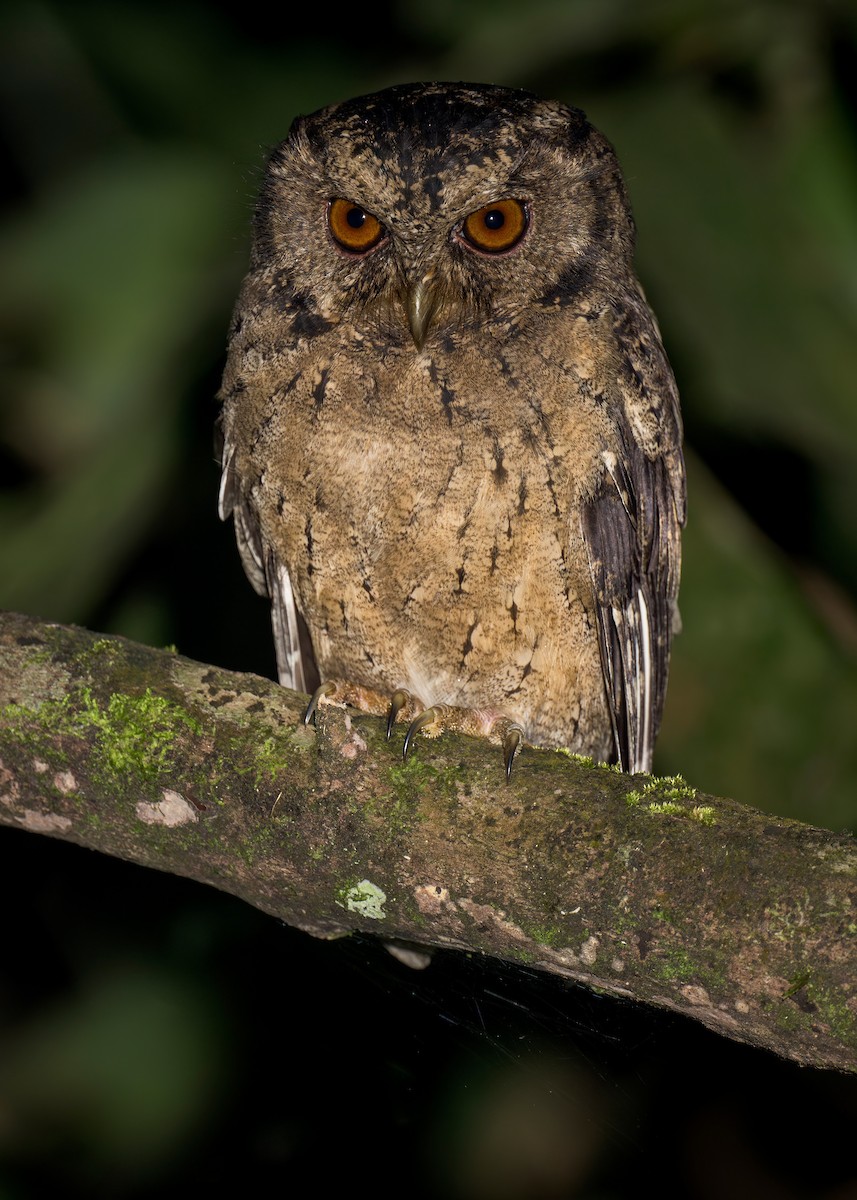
[
  {"x": 295, "y": 664},
  {"x": 631, "y": 527}
]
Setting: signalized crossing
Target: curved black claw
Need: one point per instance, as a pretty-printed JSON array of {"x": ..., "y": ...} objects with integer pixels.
[
  {"x": 511, "y": 742},
  {"x": 397, "y": 702},
  {"x": 324, "y": 689},
  {"x": 425, "y": 718}
]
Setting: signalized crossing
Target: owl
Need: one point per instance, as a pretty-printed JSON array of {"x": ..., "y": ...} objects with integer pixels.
[{"x": 451, "y": 440}]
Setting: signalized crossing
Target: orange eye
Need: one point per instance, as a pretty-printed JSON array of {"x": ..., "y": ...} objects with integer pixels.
[
  {"x": 496, "y": 227},
  {"x": 353, "y": 228}
]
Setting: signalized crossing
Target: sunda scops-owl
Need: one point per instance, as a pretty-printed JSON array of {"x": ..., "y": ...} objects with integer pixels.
[{"x": 451, "y": 436}]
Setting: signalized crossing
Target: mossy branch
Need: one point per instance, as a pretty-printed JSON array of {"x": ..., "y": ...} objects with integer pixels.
[{"x": 633, "y": 885}]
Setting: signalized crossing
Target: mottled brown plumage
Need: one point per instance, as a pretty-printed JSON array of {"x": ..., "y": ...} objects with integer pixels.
[{"x": 457, "y": 472}]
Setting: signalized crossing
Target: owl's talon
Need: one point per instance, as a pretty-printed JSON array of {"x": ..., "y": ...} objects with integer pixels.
[
  {"x": 425, "y": 718},
  {"x": 324, "y": 689},
  {"x": 397, "y": 702},
  {"x": 511, "y": 742}
]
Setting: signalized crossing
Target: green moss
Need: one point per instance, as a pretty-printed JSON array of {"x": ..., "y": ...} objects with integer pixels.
[
  {"x": 416, "y": 918},
  {"x": 583, "y": 760},
  {"x": 787, "y": 919},
  {"x": 666, "y": 796},
  {"x": 401, "y": 816},
  {"x": 263, "y": 760},
  {"x": 836, "y": 1013},
  {"x": 670, "y": 788},
  {"x": 674, "y": 965},
  {"x": 411, "y": 775},
  {"x": 797, "y": 983},
  {"x": 269, "y": 759},
  {"x": 704, "y": 813},
  {"x": 821, "y": 1008},
  {"x": 93, "y": 658},
  {"x": 409, "y": 781},
  {"x": 133, "y": 734},
  {"x": 667, "y": 807},
  {"x": 137, "y": 733},
  {"x": 545, "y": 935}
]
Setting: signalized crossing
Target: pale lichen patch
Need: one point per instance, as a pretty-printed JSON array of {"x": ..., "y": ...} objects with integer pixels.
[
  {"x": 366, "y": 899},
  {"x": 171, "y": 810},
  {"x": 845, "y": 861},
  {"x": 28, "y": 672},
  {"x": 431, "y": 898},
  {"x": 65, "y": 782},
  {"x": 354, "y": 744},
  {"x": 39, "y": 822},
  {"x": 589, "y": 951},
  {"x": 485, "y": 916},
  {"x": 303, "y": 736},
  {"x": 695, "y": 994},
  {"x": 566, "y": 958},
  {"x": 39, "y": 766}
]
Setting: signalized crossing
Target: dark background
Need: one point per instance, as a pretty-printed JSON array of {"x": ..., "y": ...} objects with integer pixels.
[{"x": 156, "y": 1036}]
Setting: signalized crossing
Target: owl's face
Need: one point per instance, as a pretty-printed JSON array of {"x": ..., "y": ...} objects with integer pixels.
[{"x": 434, "y": 206}]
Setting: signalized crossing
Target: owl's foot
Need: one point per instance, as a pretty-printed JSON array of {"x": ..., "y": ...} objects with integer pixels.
[
  {"x": 432, "y": 722},
  {"x": 339, "y": 692}
]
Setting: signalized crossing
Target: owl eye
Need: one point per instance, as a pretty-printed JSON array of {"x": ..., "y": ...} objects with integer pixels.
[
  {"x": 353, "y": 228},
  {"x": 497, "y": 227}
]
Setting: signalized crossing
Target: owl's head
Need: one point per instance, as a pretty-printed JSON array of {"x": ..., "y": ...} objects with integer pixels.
[{"x": 433, "y": 206}]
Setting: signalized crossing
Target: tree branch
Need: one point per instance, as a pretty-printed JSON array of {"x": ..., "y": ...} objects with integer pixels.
[{"x": 635, "y": 886}]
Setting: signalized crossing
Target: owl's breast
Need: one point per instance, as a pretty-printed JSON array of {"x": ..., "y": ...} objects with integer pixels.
[{"x": 427, "y": 520}]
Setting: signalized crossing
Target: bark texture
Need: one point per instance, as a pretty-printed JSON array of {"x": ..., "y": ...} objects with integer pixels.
[{"x": 633, "y": 885}]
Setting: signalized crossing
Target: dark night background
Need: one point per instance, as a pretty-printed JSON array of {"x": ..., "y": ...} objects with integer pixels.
[{"x": 156, "y": 1036}]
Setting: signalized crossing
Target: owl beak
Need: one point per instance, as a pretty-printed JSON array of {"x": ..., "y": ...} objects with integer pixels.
[{"x": 421, "y": 303}]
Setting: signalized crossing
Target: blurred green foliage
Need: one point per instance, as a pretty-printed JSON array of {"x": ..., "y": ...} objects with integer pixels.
[
  {"x": 134, "y": 135},
  {"x": 124, "y": 1073}
]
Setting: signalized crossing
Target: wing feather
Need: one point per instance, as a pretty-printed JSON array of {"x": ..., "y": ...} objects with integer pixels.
[
  {"x": 286, "y": 623},
  {"x": 295, "y": 662},
  {"x": 631, "y": 527}
]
